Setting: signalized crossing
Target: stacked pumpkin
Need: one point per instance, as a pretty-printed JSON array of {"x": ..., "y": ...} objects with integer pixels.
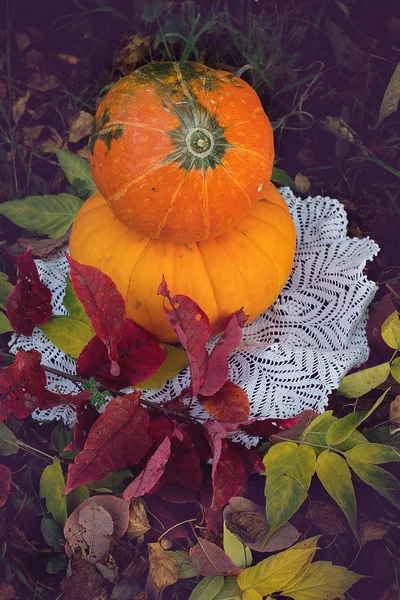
[{"x": 182, "y": 156}]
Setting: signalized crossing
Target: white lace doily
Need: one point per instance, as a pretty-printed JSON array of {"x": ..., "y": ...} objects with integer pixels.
[{"x": 294, "y": 354}]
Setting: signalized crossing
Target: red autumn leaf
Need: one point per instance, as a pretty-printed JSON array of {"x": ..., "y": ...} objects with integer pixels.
[
  {"x": 51, "y": 399},
  {"x": 233, "y": 463},
  {"x": 86, "y": 417},
  {"x": 193, "y": 329},
  {"x": 214, "y": 518},
  {"x": 267, "y": 427},
  {"x": 151, "y": 473},
  {"x": 166, "y": 517},
  {"x": 217, "y": 372},
  {"x": 5, "y": 484},
  {"x": 103, "y": 304},
  {"x": 377, "y": 317},
  {"x": 118, "y": 439},
  {"x": 138, "y": 354},
  {"x": 29, "y": 303},
  {"x": 211, "y": 560},
  {"x": 230, "y": 404},
  {"x": 22, "y": 385}
]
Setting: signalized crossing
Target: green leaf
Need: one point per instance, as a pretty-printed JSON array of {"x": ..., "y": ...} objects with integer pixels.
[
  {"x": 175, "y": 361},
  {"x": 56, "y": 563},
  {"x": 323, "y": 580},
  {"x": 280, "y": 177},
  {"x": 374, "y": 454},
  {"x": 230, "y": 591},
  {"x": 362, "y": 382},
  {"x": 315, "y": 434},
  {"x": 52, "y": 533},
  {"x": 8, "y": 441},
  {"x": 5, "y": 324},
  {"x": 289, "y": 469},
  {"x": 60, "y": 437},
  {"x": 73, "y": 305},
  {"x": 76, "y": 497},
  {"x": 334, "y": 474},
  {"x": 342, "y": 429},
  {"x": 395, "y": 369},
  {"x": 5, "y": 289},
  {"x": 184, "y": 560},
  {"x": 52, "y": 487},
  {"x": 239, "y": 554},
  {"x": 77, "y": 170},
  {"x": 46, "y": 215},
  {"x": 380, "y": 480},
  {"x": 68, "y": 334},
  {"x": 391, "y": 331},
  {"x": 207, "y": 589},
  {"x": 285, "y": 569},
  {"x": 112, "y": 482}
]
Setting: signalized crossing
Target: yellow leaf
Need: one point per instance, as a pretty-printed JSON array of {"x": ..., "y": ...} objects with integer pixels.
[
  {"x": 52, "y": 487},
  {"x": 391, "y": 331},
  {"x": 239, "y": 554},
  {"x": 285, "y": 569},
  {"x": 68, "y": 334},
  {"x": 138, "y": 522},
  {"x": 251, "y": 595},
  {"x": 391, "y": 98},
  {"x": 323, "y": 581},
  {"x": 175, "y": 362},
  {"x": 360, "y": 383},
  {"x": 163, "y": 567}
]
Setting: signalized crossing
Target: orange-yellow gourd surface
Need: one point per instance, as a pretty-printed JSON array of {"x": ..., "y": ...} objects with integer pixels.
[
  {"x": 180, "y": 151},
  {"x": 245, "y": 267}
]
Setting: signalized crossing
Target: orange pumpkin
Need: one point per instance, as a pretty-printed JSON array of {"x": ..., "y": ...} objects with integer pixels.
[
  {"x": 245, "y": 267},
  {"x": 181, "y": 152}
]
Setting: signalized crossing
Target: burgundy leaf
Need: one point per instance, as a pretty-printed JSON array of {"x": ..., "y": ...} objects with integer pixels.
[
  {"x": 22, "y": 385},
  {"x": 151, "y": 473},
  {"x": 214, "y": 518},
  {"x": 103, "y": 304},
  {"x": 267, "y": 427},
  {"x": 118, "y": 439},
  {"x": 229, "y": 404},
  {"x": 193, "y": 329},
  {"x": 29, "y": 303},
  {"x": 164, "y": 516},
  {"x": 212, "y": 560},
  {"x": 86, "y": 416},
  {"x": 5, "y": 484},
  {"x": 217, "y": 373},
  {"x": 51, "y": 399},
  {"x": 138, "y": 354}
]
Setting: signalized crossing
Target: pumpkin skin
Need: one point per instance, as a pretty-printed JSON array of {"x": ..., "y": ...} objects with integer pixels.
[
  {"x": 245, "y": 267},
  {"x": 180, "y": 151}
]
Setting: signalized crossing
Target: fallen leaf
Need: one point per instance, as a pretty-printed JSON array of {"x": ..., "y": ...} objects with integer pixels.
[
  {"x": 238, "y": 552},
  {"x": 163, "y": 567},
  {"x": 166, "y": 520},
  {"x": 8, "y": 441},
  {"x": 118, "y": 439},
  {"x": 80, "y": 126},
  {"x": 281, "y": 427},
  {"x": 248, "y": 522},
  {"x": 186, "y": 570},
  {"x": 112, "y": 483},
  {"x": 86, "y": 578},
  {"x": 7, "y": 592},
  {"x": 394, "y": 411},
  {"x": 40, "y": 247},
  {"x": 132, "y": 53},
  {"x": 97, "y": 527},
  {"x": 208, "y": 588},
  {"x": 19, "y": 107},
  {"x": 70, "y": 59},
  {"x": 138, "y": 521},
  {"x": 175, "y": 361},
  {"x": 302, "y": 183},
  {"x": 327, "y": 517},
  {"x": 5, "y": 484},
  {"x": 138, "y": 354},
  {"x": 77, "y": 171},
  {"x": 103, "y": 304},
  {"x": 391, "y": 98},
  {"x": 68, "y": 334},
  {"x": 23, "y": 40},
  {"x": 29, "y": 303},
  {"x": 151, "y": 473},
  {"x": 322, "y": 580},
  {"x": 22, "y": 385},
  {"x": 211, "y": 560},
  {"x": 348, "y": 55},
  {"x": 230, "y": 404},
  {"x": 86, "y": 417},
  {"x": 51, "y": 488},
  {"x": 41, "y": 81},
  {"x": 372, "y": 530}
]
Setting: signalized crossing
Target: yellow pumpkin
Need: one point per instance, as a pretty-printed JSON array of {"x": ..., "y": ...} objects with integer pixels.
[{"x": 245, "y": 267}]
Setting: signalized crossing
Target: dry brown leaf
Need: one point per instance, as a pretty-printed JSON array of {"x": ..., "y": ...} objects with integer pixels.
[
  {"x": 32, "y": 57},
  {"x": 327, "y": 517},
  {"x": 80, "y": 126},
  {"x": 23, "y": 40},
  {"x": 85, "y": 582},
  {"x": 18, "y": 541},
  {"x": 164, "y": 569},
  {"x": 372, "y": 530},
  {"x": 391, "y": 99},
  {"x": 69, "y": 59},
  {"x": 40, "y": 247},
  {"x": 41, "y": 81},
  {"x": 19, "y": 107},
  {"x": 125, "y": 590},
  {"x": 392, "y": 593},
  {"x": 394, "y": 414},
  {"x": 84, "y": 152},
  {"x": 7, "y": 592},
  {"x": 293, "y": 434},
  {"x": 132, "y": 53},
  {"x": 302, "y": 183},
  {"x": 347, "y": 54},
  {"x": 138, "y": 522}
]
